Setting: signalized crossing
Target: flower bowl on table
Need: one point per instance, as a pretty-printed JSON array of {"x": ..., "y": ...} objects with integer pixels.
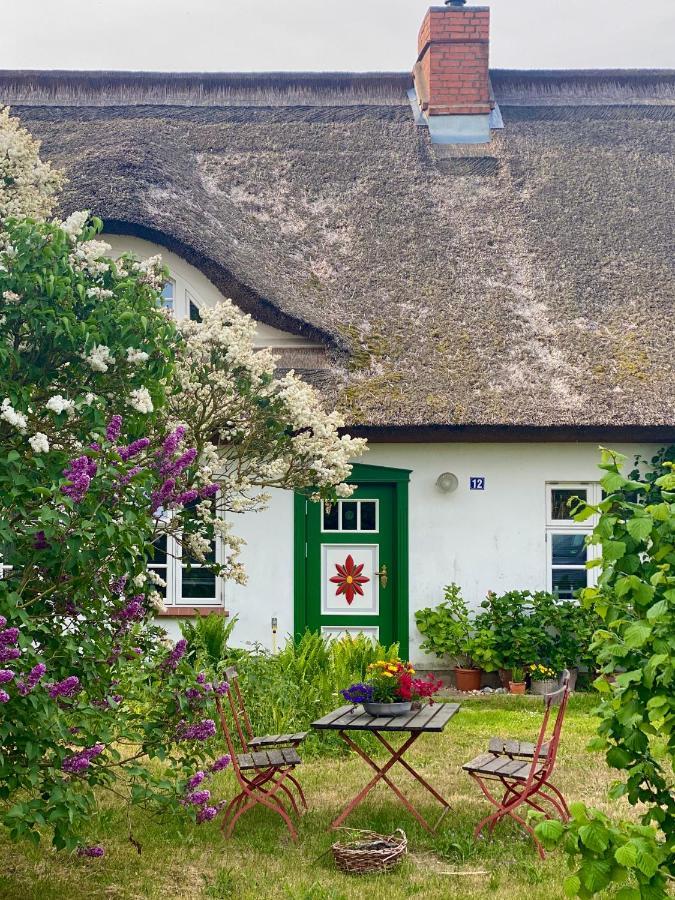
[{"x": 391, "y": 689}]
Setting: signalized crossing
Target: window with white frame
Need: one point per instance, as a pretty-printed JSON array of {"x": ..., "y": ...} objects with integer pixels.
[
  {"x": 566, "y": 548},
  {"x": 188, "y": 581},
  {"x": 183, "y": 303}
]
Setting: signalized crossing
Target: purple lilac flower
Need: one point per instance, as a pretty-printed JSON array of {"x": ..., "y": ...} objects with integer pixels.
[
  {"x": 198, "y": 798},
  {"x": 3, "y": 621},
  {"x": 34, "y": 676},
  {"x": 186, "y": 497},
  {"x": 114, "y": 429},
  {"x": 172, "y": 441},
  {"x": 209, "y": 490},
  {"x": 133, "y": 611},
  {"x": 9, "y": 653},
  {"x": 66, "y": 688},
  {"x": 94, "y": 446},
  {"x": 184, "y": 460},
  {"x": 222, "y": 688},
  {"x": 81, "y": 760},
  {"x": 194, "y": 693},
  {"x": 118, "y": 585},
  {"x": 4, "y": 696},
  {"x": 163, "y": 495},
  {"x": 206, "y": 814},
  {"x": 94, "y": 852},
  {"x": 6, "y": 675},
  {"x": 40, "y": 542},
  {"x": 9, "y": 636},
  {"x": 196, "y": 780},
  {"x": 125, "y": 479},
  {"x": 133, "y": 449},
  {"x": 358, "y": 693},
  {"x": 79, "y": 473},
  {"x": 175, "y": 656},
  {"x": 201, "y": 731},
  {"x": 201, "y": 678},
  {"x": 221, "y": 763}
]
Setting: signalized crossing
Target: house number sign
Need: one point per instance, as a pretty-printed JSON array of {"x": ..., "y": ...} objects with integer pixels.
[{"x": 477, "y": 483}]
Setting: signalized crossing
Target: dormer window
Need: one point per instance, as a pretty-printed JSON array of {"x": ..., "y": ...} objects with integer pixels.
[{"x": 169, "y": 294}]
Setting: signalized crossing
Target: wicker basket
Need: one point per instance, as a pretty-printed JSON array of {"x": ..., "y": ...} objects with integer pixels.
[{"x": 370, "y": 852}]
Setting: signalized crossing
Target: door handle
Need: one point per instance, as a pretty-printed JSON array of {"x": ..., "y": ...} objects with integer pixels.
[{"x": 383, "y": 576}]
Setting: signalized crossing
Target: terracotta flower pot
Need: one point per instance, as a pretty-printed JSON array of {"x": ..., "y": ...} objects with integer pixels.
[
  {"x": 467, "y": 679},
  {"x": 517, "y": 687}
]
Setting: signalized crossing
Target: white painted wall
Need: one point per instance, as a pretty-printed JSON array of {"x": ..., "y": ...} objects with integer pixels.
[{"x": 483, "y": 540}]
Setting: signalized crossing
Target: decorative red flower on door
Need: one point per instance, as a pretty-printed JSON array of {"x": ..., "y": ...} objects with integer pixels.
[{"x": 349, "y": 579}]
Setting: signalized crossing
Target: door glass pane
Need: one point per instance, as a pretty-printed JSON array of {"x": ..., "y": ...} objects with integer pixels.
[
  {"x": 349, "y": 520},
  {"x": 198, "y": 584},
  {"x": 368, "y": 515},
  {"x": 569, "y": 549},
  {"x": 560, "y": 511},
  {"x": 566, "y": 582},
  {"x": 331, "y": 512}
]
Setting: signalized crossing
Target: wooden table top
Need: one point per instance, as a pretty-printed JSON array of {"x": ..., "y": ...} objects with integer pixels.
[{"x": 352, "y": 718}]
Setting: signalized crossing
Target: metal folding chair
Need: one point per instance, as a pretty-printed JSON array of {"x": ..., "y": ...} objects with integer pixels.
[
  {"x": 263, "y": 776},
  {"x": 524, "y": 776}
]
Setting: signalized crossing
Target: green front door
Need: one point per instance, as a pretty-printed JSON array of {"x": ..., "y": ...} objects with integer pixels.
[{"x": 354, "y": 560}]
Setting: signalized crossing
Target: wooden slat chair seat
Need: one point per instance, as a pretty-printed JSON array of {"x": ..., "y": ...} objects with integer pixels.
[
  {"x": 263, "y": 759},
  {"x": 489, "y": 765},
  {"x": 274, "y": 740},
  {"x": 522, "y": 771},
  {"x": 501, "y": 747}
]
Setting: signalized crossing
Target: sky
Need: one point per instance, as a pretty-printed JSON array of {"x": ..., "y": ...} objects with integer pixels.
[{"x": 321, "y": 35}]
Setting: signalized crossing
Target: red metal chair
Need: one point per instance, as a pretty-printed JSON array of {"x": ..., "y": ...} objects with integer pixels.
[
  {"x": 263, "y": 776},
  {"x": 524, "y": 776}
]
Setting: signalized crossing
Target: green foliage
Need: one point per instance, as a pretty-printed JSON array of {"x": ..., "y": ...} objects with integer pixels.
[
  {"x": 635, "y": 598},
  {"x": 208, "y": 638},
  {"x": 604, "y": 855},
  {"x": 286, "y": 691},
  {"x": 447, "y": 629}
]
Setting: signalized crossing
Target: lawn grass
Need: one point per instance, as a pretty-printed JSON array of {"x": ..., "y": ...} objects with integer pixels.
[{"x": 180, "y": 860}]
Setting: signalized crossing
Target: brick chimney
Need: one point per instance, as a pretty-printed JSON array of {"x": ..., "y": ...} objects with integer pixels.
[{"x": 451, "y": 73}]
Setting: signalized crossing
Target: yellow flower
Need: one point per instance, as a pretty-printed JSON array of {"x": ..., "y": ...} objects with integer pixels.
[{"x": 388, "y": 674}]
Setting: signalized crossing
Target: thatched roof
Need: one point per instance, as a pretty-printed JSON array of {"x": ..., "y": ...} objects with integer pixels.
[{"x": 528, "y": 282}]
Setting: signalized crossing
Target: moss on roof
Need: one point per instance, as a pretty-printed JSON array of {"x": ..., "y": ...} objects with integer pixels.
[{"x": 527, "y": 282}]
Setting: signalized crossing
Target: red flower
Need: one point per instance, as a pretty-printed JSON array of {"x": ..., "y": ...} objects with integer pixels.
[{"x": 349, "y": 579}]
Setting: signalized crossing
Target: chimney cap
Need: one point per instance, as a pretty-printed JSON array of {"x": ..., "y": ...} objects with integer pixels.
[{"x": 455, "y": 2}]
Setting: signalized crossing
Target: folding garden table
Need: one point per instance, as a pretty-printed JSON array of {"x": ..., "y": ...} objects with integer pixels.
[{"x": 428, "y": 720}]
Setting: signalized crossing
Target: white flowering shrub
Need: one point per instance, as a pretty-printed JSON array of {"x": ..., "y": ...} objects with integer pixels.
[
  {"x": 28, "y": 186},
  {"x": 107, "y": 439}
]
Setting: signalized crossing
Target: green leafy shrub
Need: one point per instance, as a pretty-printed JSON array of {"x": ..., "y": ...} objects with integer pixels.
[
  {"x": 635, "y": 598},
  {"x": 447, "y": 629},
  {"x": 208, "y": 637}
]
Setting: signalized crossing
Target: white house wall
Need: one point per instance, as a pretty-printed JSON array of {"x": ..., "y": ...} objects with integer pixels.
[{"x": 483, "y": 540}]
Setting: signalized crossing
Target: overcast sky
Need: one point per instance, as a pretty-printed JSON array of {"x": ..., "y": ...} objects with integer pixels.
[{"x": 315, "y": 35}]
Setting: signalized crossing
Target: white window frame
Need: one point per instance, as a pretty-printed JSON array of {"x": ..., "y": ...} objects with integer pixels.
[
  {"x": 563, "y": 526},
  {"x": 173, "y": 575}
]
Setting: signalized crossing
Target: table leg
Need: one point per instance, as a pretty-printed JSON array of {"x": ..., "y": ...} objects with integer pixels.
[
  {"x": 406, "y": 765},
  {"x": 382, "y": 776}
]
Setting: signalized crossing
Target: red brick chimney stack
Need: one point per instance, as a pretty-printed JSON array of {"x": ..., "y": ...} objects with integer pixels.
[{"x": 451, "y": 73}]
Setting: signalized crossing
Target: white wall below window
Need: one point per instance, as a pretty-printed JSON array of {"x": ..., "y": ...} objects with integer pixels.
[{"x": 483, "y": 540}]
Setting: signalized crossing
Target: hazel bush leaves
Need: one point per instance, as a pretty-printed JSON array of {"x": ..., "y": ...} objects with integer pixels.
[{"x": 635, "y": 648}]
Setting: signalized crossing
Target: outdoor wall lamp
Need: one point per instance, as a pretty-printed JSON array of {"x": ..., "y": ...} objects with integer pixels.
[{"x": 447, "y": 482}]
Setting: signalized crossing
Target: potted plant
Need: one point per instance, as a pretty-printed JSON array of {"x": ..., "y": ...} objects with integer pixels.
[
  {"x": 543, "y": 679},
  {"x": 517, "y": 682},
  {"x": 390, "y": 689},
  {"x": 448, "y": 631}
]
